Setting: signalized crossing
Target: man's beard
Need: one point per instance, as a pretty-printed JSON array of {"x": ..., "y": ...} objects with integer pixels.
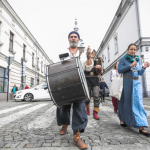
[{"x": 73, "y": 44}]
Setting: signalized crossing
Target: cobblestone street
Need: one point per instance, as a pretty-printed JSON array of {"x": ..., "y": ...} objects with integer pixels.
[{"x": 32, "y": 125}]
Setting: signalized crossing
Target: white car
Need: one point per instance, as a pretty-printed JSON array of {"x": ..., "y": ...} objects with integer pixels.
[{"x": 35, "y": 93}]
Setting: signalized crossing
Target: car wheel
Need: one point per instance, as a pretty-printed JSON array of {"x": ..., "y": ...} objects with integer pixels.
[{"x": 28, "y": 97}]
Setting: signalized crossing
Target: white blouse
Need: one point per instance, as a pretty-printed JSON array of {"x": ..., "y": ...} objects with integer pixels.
[{"x": 114, "y": 73}]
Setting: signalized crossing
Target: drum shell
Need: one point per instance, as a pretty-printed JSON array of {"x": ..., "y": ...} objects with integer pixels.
[{"x": 65, "y": 83}]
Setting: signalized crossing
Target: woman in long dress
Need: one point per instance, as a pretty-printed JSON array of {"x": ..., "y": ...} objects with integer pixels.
[{"x": 130, "y": 107}]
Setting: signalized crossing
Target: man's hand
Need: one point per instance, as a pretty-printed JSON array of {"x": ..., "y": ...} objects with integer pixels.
[
  {"x": 98, "y": 66},
  {"x": 88, "y": 53}
]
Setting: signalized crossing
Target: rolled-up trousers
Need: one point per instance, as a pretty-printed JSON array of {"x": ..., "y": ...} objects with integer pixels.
[
  {"x": 79, "y": 116},
  {"x": 95, "y": 95}
]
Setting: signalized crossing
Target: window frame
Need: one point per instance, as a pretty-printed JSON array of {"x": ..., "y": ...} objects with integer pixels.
[
  {"x": 32, "y": 81},
  {"x": 5, "y": 78},
  {"x": 11, "y": 41},
  {"x": 108, "y": 52},
  {"x": 116, "y": 44},
  {"x": 24, "y": 51},
  {"x": 45, "y": 69},
  {"x": 38, "y": 63},
  {"x": 41, "y": 66},
  {"x": 33, "y": 59}
]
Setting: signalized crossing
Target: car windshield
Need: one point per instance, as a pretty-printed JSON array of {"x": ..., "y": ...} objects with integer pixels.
[{"x": 42, "y": 86}]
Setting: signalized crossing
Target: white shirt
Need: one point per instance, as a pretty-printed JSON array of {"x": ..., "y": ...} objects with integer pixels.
[
  {"x": 114, "y": 73},
  {"x": 83, "y": 59}
]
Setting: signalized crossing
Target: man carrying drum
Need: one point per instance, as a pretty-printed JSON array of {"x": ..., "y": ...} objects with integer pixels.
[
  {"x": 79, "y": 116},
  {"x": 91, "y": 74}
]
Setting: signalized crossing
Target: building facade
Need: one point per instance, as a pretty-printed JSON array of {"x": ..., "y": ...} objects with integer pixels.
[
  {"x": 129, "y": 25},
  {"x": 18, "y": 42}
]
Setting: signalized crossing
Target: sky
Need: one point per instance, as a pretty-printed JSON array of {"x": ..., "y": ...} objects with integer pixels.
[{"x": 50, "y": 21}]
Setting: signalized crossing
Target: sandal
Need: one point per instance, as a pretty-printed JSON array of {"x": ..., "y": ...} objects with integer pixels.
[
  {"x": 144, "y": 133},
  {"x": 123, "y": 124}
]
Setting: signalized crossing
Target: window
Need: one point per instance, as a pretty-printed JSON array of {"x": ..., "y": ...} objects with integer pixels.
[
  {"x": 1, "y": 43},
  {"x": 24, "y": 51},
  {"x": 37, "y": 81},
  {"x": 33, "y": 59},
  {"x": 11, "y": 42},
  {"x": 38, "y": 63},
  {"x": 116, "y": 44},
  {"x": 32, "y": 82},
  {"x": 43, "y": 86},
  {"x": 3, "y": 80},
  {"x": 108, "y": 53},
  {"x": 123, "y": 2},
  {"x": 42, "y": 66},
  {"x": 44, "y": 69}
]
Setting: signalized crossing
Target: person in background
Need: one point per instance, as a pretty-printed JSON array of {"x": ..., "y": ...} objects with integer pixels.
[
  {"x": 114, "y": 73},
  {"x": 26, "y": 87},
  {"x": 20, "y": 88},
  {"x": 102, "y": 89},
  {"x": 130, "y": 107},
  {"x": 14, "y": 89},
  {"x": 92, "y": 70}
]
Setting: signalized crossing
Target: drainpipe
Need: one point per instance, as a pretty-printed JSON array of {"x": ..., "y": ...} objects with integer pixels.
[{"x": 140, "y": 48}]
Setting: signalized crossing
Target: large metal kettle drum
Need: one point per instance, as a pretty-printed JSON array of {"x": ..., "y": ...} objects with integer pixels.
[{"x": 66, "y": 82}]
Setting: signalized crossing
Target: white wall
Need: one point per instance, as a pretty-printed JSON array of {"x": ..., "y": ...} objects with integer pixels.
[
  {"x": 147, "y": 72},
  {"x": 144, "y": 12},
  {"x": 126, "y": 32}
]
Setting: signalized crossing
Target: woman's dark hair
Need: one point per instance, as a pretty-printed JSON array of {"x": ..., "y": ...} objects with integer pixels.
[
  {"x": 132, "y": 44},
  {"x": 115, "y": 65}
]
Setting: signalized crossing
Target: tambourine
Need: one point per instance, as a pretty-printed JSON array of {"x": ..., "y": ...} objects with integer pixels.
[{"x": 133, "y": 68}]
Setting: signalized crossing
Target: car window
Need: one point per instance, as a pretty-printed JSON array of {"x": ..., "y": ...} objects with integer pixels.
[{"x": 43, "y": 86}]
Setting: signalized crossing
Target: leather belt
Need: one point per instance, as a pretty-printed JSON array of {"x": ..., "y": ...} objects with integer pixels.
[
  {"x": 135, "y": 78},
  {"x": 91, "y": 76}
]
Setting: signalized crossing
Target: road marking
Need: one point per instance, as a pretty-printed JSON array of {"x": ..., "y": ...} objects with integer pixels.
[
  {"x": 44, "y": 120},
  {"x": 15, "y": 116},
  {"x": 14, "y": 108}
]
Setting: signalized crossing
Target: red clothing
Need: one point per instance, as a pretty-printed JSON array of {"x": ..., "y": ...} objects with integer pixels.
[
  {"x": 27, "y": 87},
  {"x": 114, "y": 101}
]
